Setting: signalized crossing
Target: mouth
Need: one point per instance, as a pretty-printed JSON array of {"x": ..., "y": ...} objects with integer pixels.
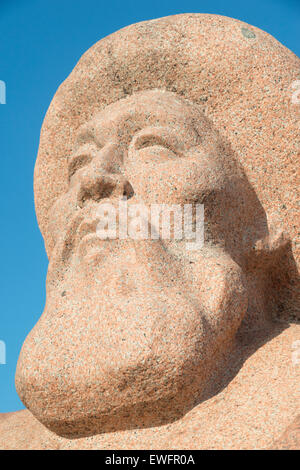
[
  {"x": 92, "y": 238},
  {"x": 93, "y": 248},
  {"x": 85, "y": 237}
]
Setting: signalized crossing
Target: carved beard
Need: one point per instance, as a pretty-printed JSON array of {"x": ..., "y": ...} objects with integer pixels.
[{"x": 161, "y": 322}]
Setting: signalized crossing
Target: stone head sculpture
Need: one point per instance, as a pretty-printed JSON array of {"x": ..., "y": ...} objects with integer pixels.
[{"x": 133, "y": 328}]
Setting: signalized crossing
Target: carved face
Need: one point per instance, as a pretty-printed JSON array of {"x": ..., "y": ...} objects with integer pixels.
[{"x": 132, "y": 328}]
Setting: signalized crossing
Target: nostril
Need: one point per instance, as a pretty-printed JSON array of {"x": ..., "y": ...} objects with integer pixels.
[
  {"x": 96, "y": 189},
  {"x": 128, "y": 191},
  {"x": 96, "y": 192},
  {"x": 106, "y": 188}
]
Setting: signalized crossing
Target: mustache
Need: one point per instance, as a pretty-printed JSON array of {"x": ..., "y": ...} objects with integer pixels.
[
  {"x": 80, "y": 235},
  {"x": 81, "y": 224},
  {"x": 80, "y": 245},
  {"x": 62, "y": 251}
]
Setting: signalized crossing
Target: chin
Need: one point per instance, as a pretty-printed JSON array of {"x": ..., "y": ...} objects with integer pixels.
[
  {"x": 84, "y": 400},
  {"x": 138, "y": 355}
]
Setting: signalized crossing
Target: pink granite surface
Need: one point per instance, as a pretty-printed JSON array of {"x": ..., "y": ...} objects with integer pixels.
[
  {"x": 249, "y": 408},
  {"x": 144, "y": 344}
]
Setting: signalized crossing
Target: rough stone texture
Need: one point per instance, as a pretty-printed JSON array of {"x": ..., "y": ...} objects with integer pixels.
[
  {"x": 134, "y": 331},
  {"x": 21, "y": 431},
  {"x": 248, "y": 408},
  {"x": 290, "y": 439}
]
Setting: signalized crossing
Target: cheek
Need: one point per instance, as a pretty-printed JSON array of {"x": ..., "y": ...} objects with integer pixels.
[
  {"x": 59, "y": 216},
  {"x": 155, "y": 184},
  {"x": 179, "y": 181}
]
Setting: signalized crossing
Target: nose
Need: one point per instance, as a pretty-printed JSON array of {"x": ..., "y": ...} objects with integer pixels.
[
  {"x": 103, "y": 179},
  {"x": 103, "y": 186}
]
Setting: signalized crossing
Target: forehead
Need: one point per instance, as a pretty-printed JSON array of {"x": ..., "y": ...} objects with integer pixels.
[{"x": 130, "y": 115}]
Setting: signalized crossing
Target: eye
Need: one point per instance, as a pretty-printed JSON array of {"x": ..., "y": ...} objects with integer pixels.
[
  {"x": 149, "y": 141},
  {"x": 158, "y": 143},
  {"x": 77, "y": 162}
]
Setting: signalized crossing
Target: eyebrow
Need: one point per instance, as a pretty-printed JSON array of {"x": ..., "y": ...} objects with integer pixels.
[{"x": 88, "y": 133}]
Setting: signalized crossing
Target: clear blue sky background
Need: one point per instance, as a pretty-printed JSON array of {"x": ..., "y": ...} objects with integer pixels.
[{"x": 41, "y": 41}]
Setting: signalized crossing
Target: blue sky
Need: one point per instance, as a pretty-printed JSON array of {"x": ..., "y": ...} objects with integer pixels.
[{"x": 41, "y": 41}]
